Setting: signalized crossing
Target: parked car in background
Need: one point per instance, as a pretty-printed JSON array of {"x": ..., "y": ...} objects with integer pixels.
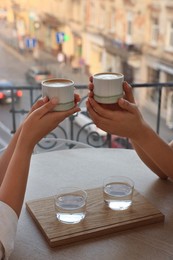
[
  {"x": 3, "y": 14},
  {"x": 36, "y": 74},
  {"x": 119, "y": 142},
  {"x": 6, "y": 93}
]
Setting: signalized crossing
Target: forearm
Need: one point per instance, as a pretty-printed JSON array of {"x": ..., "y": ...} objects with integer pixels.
[
  {"x": 154, "y": 152},
  {"x": 147, "y": 160},
  {"x": 6, "y": 156},
  {"x": 13, "y": 187}
]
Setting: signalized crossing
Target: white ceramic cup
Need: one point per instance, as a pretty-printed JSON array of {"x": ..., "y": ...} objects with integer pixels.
[
  {"x": 61, "y": 88},
  {"x": 108, "y": 87}
]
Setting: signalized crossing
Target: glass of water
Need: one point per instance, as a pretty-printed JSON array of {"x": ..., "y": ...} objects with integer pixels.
[
  {"x": 118, "y": 192},
  {"x": 70, "y": 205}
]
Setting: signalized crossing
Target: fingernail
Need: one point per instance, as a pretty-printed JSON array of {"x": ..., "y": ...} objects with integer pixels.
[
  {"x": 91, "y": 99},
  {"x": 121, "y": 100},
  {"x": 54, "y": 100},
  {"x": 45, "y": 99}
]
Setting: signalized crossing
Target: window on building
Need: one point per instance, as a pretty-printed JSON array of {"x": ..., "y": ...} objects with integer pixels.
[
  {"x": 93, "y": 14},
  {"x": 154, "y": 31},
  {"x": 169, "y": 38},
  {"x": 101, "y": 20},
  {"x": 167, "y": 91},
  {"x": 75, "y": 11},
  {"x": 153, "y": 77},
  {"x": 112, "y": 21},
  {"x": 129, "y": 28}
]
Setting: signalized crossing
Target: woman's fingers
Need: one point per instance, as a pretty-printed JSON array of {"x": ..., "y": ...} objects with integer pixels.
[
  {"x": 93, "y": 113},
  {"x": 38, "y": 103},
  {"x": 100, "y": 121},
  {"x": 71, "y": 111},
  {"x": 101, "y": 111},
  {"x": 128, "y": 92},
  {"x": 47, "y": 107},
  {"x": 91, "y": 86},
  {"x": 126, "y": 105},
  {"x": 76, "y": 98},
  {"x": 50, "y": 105}
]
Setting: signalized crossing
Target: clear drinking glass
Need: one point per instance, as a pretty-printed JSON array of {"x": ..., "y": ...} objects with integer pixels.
[
  {"x": 70, "y": 205},
  {"x": 118, "y": 192}
]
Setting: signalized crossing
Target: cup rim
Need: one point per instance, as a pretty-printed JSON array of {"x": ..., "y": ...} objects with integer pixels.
[
  {"x": 70, "y": 188},
  {"x": 71, "y": 82},
  {"x": 119, "y": 176},
  {"x": 112, "y": 73}
]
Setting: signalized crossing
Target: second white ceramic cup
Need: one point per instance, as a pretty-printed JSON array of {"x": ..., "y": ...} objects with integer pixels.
[{"x": 108, "y": 87}]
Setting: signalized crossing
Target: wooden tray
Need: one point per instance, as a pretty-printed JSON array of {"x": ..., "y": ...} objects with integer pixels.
[{"x": 100, "y": 220}]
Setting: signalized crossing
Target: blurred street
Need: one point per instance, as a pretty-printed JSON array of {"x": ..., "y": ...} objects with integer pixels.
[
  {"x": 25, "y": 60},
  {"x": 44, "y": 58}
]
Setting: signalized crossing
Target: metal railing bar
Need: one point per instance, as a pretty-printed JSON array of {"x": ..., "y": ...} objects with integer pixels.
[{"x": 158, "y": 85}]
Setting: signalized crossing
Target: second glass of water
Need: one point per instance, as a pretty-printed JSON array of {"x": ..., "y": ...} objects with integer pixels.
[
  {"x": 118, "y": 192},
  {"x": 70, "y": 205}
]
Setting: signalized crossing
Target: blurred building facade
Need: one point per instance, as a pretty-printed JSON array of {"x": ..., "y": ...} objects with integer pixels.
[{"x": 129, "y": 36}]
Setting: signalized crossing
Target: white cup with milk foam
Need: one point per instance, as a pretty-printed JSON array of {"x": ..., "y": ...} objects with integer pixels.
[
  {"x": 63, "y": 89},
  {"x": 108, "y": 87}
]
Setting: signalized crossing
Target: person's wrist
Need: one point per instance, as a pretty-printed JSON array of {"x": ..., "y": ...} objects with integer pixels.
[
  {"x": 141, "y": 134},
  {"x": 24, "y": 141}
]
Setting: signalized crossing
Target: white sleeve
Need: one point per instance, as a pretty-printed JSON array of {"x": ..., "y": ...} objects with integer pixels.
[{"x": 8, "y": 228}]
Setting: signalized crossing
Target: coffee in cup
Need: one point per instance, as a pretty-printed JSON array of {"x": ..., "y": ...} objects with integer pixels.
[
  {"x": 108, "y": 87},
  {"x": 61, "y": 88}
]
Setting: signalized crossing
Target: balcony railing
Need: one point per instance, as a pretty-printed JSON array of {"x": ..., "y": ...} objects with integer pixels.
[{"x": 92, "y": 135}]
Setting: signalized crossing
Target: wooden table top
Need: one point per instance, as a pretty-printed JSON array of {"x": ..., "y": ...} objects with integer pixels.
[{"x": 87, "y": 168}]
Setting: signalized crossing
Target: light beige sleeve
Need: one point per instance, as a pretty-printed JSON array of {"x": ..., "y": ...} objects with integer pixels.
[{"x": 8, "y": 228}]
